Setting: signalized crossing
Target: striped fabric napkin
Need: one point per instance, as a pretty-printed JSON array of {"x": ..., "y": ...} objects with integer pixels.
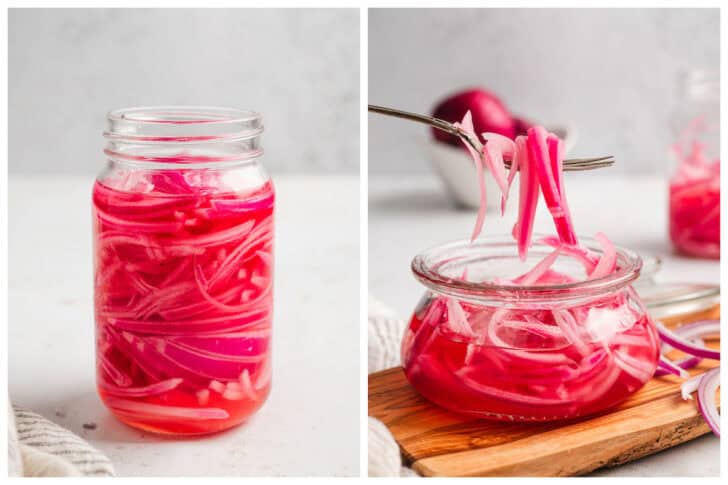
[{"x": 38, "y": 447}]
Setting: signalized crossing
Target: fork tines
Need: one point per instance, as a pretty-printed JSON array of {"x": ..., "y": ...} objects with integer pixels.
[
  {"x": 588, "y": 163},
  {"x": 578, "y": 164}
]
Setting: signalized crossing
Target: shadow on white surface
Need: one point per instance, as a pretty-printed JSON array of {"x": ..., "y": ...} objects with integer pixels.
[{"x": 84, "y": 414}]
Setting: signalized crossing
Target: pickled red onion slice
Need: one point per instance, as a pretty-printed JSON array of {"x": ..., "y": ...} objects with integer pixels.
[
  {"x": 146, "y": 391},
  {"x": 583, "y": 255},
  {"x": 540, "y": 159},
  {"x": 669, "y": 367},
  {"x": 493, "y": 156},
  {"x": 467, "y": 125},
  {"x": 515, "y": 163},
  {"x": 538, "y": 271},
  {"x": 457, "y": 318},
  {"x": 159, "y": 412},
  {"x": 528, "y": 199},
  {"x": 607, "y": 263}
]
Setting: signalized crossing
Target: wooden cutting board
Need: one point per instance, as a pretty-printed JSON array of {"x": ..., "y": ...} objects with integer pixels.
[{"x": 436, "y": 442}]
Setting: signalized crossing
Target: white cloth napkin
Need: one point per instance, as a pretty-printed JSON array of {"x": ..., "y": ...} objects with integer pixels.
[
  {"x": 384, "y": 337},
  {"x": 38, "y": 447}
]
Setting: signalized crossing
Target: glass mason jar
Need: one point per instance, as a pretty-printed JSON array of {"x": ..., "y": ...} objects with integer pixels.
[
  {"x": 525, "y": 353},
  {"x": 694, "y": 212},
  {"x": 183, "y": 268}
]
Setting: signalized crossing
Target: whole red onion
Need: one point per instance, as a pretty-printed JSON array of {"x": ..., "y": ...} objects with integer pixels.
[{"x": 489, "y": 114}]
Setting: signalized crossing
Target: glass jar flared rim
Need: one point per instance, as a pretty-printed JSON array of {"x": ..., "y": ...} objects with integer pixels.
[{"x": 427, "y": 268}]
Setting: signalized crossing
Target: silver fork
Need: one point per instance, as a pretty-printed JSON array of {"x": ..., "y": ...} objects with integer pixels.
[{"x": 571, "y": 164}]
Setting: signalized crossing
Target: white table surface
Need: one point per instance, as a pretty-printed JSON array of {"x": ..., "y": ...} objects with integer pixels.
[
  {"x": 310, "y": 424},
  {"x": 407, "y": 215}
]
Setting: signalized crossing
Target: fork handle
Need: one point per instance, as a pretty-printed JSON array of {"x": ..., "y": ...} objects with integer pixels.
[{"x": 427, "y": 120}]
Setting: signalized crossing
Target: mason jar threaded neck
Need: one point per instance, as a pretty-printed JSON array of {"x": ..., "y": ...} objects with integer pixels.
[{"x": 189, "y": 135}]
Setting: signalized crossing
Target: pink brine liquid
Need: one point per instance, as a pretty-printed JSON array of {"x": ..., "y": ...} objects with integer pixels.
[
  {"x": 183, "y": 301},
  {"x": 529, "y": 364}
]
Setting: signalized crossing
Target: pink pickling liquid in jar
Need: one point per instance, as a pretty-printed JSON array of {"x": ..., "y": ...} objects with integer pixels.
[
  {"x": 694, "y": 193},
  {"x": 481, "y": 346},
  {"x": 695, "y": 210},
  {"x": 183, "y": 278}
]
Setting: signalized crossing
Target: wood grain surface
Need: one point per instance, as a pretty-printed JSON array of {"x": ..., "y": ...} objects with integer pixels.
[{"x": 436, "y": 442}]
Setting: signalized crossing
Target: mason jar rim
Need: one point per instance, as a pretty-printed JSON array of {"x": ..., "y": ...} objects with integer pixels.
[
  {"x": 427, "y": 267},
  {"x": 182, "y": 124}
]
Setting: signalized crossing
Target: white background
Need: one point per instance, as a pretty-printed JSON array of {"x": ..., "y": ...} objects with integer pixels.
[
  {"x": 298, "y": 67},
  {"x": 610, "y": 73}
]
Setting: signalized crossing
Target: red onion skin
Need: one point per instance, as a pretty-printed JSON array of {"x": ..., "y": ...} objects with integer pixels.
[
  {"x": 686, "y": 364},
  {"x": 690, "y": 332},
  {"x": 488, "y": 111},
  {"x": 670, "y": 338},
  {"x": 706, "y": 400}
]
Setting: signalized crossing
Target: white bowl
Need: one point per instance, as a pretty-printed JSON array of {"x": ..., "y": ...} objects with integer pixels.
[{"x": 459, "y": 176}]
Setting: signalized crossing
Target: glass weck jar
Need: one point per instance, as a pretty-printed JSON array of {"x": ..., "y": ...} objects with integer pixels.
[
  {"x": 482, "y": 347},
  {"x": 183, "y": 268},
  {"x": 694, "y": 193}
]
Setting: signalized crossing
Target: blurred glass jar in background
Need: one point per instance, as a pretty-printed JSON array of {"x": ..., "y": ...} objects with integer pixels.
[{"x": 694, "y": 216}]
